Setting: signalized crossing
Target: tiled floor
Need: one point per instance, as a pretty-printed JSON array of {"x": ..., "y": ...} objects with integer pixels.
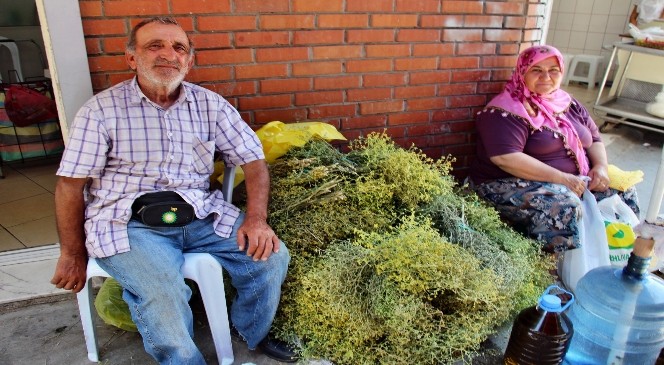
[{"x": 27, "y": 217}]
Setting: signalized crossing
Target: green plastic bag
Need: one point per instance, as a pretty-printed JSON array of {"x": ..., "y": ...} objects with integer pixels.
[{"x": 112, "y": 308}]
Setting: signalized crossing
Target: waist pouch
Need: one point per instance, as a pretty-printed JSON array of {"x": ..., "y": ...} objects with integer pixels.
[{"x": 163, "y": 209}]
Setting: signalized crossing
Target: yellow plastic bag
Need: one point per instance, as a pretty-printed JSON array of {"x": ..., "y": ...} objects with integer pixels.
[
  {"x": 112, "y": 308},
  {"x": 623, "y": 180},
  {"x": 277, "y": 138}
]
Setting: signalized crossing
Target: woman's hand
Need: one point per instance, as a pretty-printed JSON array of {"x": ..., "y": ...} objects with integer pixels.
[
  {"x": 574, "y": 183},
  {"x": 599, "y": 178}
]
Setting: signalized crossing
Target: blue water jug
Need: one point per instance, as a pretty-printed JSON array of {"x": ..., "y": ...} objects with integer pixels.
[
  {"x": 618, "y": 315},
  {"x": 540, "y": 334}
]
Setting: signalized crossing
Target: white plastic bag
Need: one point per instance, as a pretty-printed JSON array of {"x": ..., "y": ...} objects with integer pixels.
[
  {"x": 594, "y": 250},
  {"x": 619, "y": 222}
]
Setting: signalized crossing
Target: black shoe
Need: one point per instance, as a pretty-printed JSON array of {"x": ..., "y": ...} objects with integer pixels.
[{"x": 278, "y": 350}]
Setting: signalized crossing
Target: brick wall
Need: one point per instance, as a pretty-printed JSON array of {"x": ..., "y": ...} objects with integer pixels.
[{"x": 418, "y": 69}]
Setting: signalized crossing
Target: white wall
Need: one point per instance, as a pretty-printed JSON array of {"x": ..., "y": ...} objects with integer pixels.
[{"x": 588, "y": 26}]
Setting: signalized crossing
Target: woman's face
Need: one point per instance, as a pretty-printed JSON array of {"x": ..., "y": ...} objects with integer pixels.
[{"x": 544, "y": 77}]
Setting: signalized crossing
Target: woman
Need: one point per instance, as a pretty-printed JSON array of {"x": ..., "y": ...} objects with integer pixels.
[{"x": 538, "y": 149}]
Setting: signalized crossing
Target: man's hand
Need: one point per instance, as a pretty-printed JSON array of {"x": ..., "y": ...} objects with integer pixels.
[
  {"x": 70, "y": 272},
  {"x": 257, "y": 237}
]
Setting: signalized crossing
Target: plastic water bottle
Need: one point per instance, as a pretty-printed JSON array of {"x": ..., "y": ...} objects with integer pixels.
[
  {"x": 540, "y": 334},
  {"x": 618, "y": 315}
]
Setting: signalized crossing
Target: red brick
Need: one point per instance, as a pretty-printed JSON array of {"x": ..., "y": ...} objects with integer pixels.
[
  {"x": 466, "y": 100},
  {"x": 210, "y": 40},
  {"x": 388, "y": 50},
  {"x": 410, "y": 92},
  {"x": 392, "y": 79},
  {"x": 418, "y": 35},
  {"x": 135, "y": 7},
  {"x": 283, "y": 21},
  {"x": 114, "y": 44},
  {"x": 200, "y": 74},
  {"x": 459, "y": 62},
  {"x": 372, "y": 6},
  {"x": 365, "y": 122},
  {"x": 283, "y": 115},
  {"x": 501, "y": 75},
  {"x": 535, "y": 9},
  {"x": 233, "y": 88},
  {"x": 89, "y": 8},
  {"x": 476, "y": 48},
  {"x": 119, "y": 77},
  {"x": 99, "y": 82},
  {"x": 370, "y": 36},
  {"x": 318, "y": 111},
  {"x": 343, "y": 21},
  {"x": 281, "y": 54},
  {"x": 426, "y": 104},
  {"x": 261, "y": 6},
  {"x": 405, "y": 64},
  {"x": 441, "y": 21},
  {"x": 489, "y": 87},
  {"x": 432, "y": 128},
  {"x": 471, "y": 75},
  {"x": 459, "y": 127},
  {"x": 442, "y": 115},
  {"x": 531, "y": 22},
  {"x": 369, "y": 94},
  {"x": 257, "y": 39},
  {"x": 107, "y": 63},
  {"x": 373, "y": 65},
  {"x": 336, "y": 82},
  {"x": 517, "y": 22},
  {"x": 502, "y": 35},
  {"x": 508, "y": 48},
  {"x": 224, "y": 23},
  {"x": 93, "y": 46},
  {"x": 318, "y": 37},
  {"x": 394, "y": 20},
  {"x": 462, "y": 7},
  {"x": 200, "y": 6},
  {"x": 285, "y": 85},
  {"x": 265, "y": 102},
  {"x": 104, "y": 27},
  {"x": 186, "y": 23},
  {"x": 408, "y": 118},
  {"x": 418, "y": 6},
  {"x": 433, "y": 77},
  {"x": 483, "y": 21},
  {"x": 261, "y": 71},
  {"x": 224, "y": 57},
  {"x": 498, "y": 61},
  {"x": 456, "y": 89},
  {"x": 433, "y": 49},
  {"x": 336, "y": 52},
  {"x": 317, "y": 6},
  {"x": 462, "y": 35},
  {"x": 532, "y": 35},
  {"x": 318, "y": 98},
  {"x": 317, "y": 68},
  {"x": 381, "y": 107}
]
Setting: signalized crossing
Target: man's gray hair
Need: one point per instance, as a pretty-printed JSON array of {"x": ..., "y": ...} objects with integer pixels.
[{"x": 131, "y": 43}]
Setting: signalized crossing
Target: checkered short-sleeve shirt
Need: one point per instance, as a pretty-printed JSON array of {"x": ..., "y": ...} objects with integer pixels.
[{"x": 128, "y": 146}]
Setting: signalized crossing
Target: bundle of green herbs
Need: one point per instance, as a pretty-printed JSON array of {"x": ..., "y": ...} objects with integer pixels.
[{"x": 392, "y": 262}]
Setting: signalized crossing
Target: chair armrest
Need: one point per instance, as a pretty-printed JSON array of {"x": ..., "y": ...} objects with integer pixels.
[{"x": 228, "y": 184}]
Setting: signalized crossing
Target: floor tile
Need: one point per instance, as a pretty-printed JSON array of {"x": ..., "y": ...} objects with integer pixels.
[
  {"x": 16, "y": 187},
  {"x": 9, "y": 242},
  {"x": 38, "y": 232},
  {"x": 26, "y": 210},
  {"x": 46, "y": 181}
]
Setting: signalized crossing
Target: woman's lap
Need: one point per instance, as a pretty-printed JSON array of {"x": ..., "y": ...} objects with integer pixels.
[{"x": 546, "y": 212}]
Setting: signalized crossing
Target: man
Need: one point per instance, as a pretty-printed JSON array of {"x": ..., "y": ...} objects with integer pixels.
[{"x": 152, "y": 139}]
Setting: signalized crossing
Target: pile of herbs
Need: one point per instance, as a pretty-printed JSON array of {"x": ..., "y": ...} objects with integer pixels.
[{"x": 392, "y": 261}]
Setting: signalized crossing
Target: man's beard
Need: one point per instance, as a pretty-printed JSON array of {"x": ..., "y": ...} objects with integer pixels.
[{"x": 154, "y": 75}]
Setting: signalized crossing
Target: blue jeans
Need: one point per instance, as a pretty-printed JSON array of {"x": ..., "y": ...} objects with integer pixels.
[{"x": 158, "y": 297}]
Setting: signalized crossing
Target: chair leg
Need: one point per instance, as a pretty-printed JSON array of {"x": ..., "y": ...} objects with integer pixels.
[
  {"x": 207, "y": 273},
  {"x": 85, "y": 304}
]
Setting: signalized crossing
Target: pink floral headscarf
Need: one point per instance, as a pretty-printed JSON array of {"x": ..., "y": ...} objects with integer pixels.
[{"x": 549, "y": 107}]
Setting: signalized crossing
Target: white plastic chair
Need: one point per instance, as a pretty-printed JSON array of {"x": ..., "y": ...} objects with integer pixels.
[{"x": 202, "y": 268}]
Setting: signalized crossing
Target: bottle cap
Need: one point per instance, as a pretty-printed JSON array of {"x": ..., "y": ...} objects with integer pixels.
[{"x": 550, "y": 303}]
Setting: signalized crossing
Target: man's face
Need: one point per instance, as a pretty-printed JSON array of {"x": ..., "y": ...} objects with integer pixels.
[{"x": 162, "y": 55}]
